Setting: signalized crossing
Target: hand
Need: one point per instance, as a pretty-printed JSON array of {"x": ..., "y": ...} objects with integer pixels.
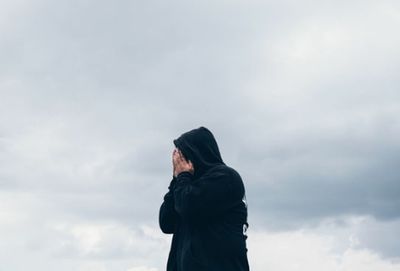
[{"x": 180, "y": 164}]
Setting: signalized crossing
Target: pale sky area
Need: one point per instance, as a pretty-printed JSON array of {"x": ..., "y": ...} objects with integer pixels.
[{"x": 302, "y": 97}]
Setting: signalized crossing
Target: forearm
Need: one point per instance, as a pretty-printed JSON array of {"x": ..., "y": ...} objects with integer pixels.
[{"x": 167, "y": 215}]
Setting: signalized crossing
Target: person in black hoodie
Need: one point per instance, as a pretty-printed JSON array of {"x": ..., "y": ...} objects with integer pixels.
[{"x": 205, "y": 208}]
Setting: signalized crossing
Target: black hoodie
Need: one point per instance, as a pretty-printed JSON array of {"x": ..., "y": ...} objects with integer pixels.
[{"x": 206, "y": 212}]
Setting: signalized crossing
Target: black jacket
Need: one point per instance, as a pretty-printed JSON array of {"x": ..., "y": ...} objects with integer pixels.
[{"x": 206, "y": 212}]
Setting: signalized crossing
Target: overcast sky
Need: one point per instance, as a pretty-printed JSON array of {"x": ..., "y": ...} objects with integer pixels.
[{"x": 302, "y": 97}]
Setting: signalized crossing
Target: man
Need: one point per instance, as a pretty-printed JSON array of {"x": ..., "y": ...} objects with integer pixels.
[{"x": 204, "y": 209}]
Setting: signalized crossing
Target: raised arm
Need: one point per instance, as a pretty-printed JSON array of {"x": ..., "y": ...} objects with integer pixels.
[{"x": 168, "y": 216}]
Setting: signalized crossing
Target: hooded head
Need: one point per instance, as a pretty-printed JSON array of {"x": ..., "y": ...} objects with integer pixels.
[{"x": 200, "y": 147}]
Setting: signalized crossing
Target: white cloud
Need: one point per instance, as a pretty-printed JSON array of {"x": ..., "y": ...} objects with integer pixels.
[
  {"x": 108, "y": 239},
  {"x": 302, "y": 250},
  {"x": 93, "y": 266}
]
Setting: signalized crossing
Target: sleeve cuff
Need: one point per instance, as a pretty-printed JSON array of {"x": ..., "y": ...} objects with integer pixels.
[
  {"x": 184, "y": 174},
  {"x": 172, "y": 183}
]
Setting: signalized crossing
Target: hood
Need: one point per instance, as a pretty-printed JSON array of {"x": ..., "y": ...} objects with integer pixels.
[{"x": 200, "y": 147}]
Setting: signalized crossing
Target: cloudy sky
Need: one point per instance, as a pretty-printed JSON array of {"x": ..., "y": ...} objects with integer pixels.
[{"x": 302, "y": 97}]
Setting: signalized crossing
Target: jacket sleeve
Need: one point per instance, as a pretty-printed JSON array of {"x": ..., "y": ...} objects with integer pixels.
[
  {"x": 208, "y": 196},
  {"x": 168, "y": 216}
]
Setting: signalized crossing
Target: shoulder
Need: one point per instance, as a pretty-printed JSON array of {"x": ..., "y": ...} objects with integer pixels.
[
  {"x": 228, "y": 177},
  {"x": 225, "y": 170}
]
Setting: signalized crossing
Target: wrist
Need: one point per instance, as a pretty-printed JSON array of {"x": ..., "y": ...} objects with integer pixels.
[{"x": 184, "y": 173}]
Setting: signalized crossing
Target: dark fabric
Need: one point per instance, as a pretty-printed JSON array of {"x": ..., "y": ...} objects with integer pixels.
[{"x": 206, "y": 212}]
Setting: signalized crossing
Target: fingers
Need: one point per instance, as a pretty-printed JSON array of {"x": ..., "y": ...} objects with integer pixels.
[
  {"x": 180, "y": 156},
  {"x": 180, "y": 160},
  {"x": 183, "y": 159},
  {"x": 175, "y": 154},
  {"x": 180, "y": 163}
]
